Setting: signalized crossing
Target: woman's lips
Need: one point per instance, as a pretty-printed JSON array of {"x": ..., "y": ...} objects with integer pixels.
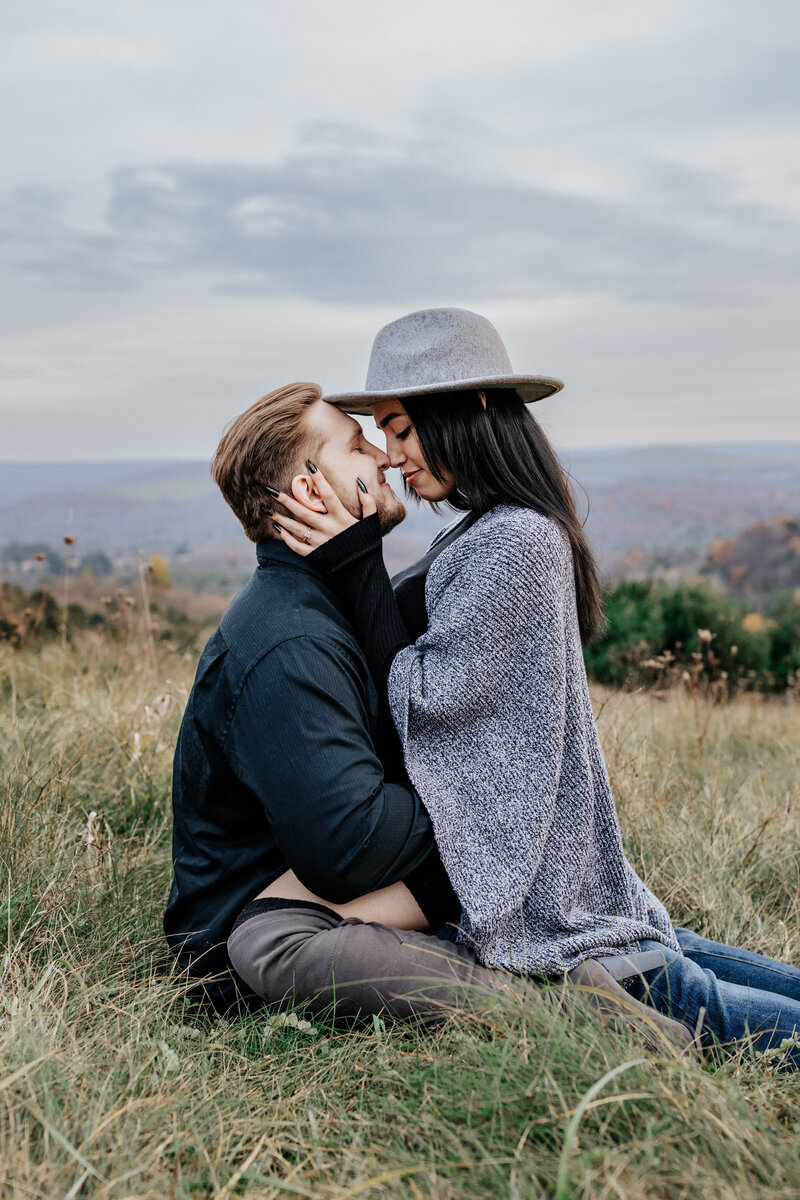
[{"x": 412, "y": 475}]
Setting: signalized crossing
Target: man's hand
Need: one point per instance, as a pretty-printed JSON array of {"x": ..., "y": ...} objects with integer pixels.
[{"x": 308, "y": 529}]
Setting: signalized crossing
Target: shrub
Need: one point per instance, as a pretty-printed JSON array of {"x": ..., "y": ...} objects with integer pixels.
[{"x": 655, "y": 632}]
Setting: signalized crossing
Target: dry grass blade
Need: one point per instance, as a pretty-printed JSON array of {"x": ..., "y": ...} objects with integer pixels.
[
  {"x": 115, "y": 1088},
  {"x": 562, "y": 1178}
]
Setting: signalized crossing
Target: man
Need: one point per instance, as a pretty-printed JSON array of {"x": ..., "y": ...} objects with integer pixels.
[
  {"x": 281, "y": 755},
  {"x": 286, "y": 760}
]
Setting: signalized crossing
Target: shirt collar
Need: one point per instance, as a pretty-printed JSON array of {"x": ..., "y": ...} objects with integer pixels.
[{"x": 272, "y": 551}]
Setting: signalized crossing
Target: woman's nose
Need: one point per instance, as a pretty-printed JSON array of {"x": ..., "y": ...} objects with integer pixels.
[{"x": 395, "y": 452}]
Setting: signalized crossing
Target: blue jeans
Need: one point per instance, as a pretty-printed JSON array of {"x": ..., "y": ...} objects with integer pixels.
[{"x": 744, "y": 995}]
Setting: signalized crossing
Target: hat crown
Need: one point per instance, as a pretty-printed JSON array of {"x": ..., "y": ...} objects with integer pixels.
[{"x": 436, "y": 346}]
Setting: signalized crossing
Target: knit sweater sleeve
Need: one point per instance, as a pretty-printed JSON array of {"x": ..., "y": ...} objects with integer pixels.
[
  {"x": 479, "y": 702},
  {"x": 353, "y": 562}
]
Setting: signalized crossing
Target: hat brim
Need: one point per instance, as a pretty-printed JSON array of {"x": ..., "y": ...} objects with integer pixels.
[{"x": 530, "y": 388}]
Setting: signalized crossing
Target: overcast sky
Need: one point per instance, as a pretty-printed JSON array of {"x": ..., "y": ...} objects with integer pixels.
[{"x": 202, "y": 201}]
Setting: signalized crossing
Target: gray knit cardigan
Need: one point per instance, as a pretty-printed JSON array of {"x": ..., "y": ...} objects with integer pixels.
[{"x": 493, "y": 710}]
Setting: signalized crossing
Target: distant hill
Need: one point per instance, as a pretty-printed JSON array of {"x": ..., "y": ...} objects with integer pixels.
[
  {"x": 655, "y": 508},
  {"x": 763, "y": 558},
  {"x": 650, "y": 508}
]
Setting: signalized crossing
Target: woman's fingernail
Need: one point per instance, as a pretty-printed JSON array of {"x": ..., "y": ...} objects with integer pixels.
[
  {"x": 277, "y": 526},
  {"x": 311, "y": 466},
  {"x": 273, "y": 492},
  {"x": 362, "y": 485}
]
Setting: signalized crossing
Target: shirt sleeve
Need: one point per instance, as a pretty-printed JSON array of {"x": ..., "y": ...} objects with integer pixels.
[{"x": 299, "y": 739}]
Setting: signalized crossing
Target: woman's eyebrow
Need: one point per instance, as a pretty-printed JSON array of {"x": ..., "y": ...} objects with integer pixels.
[{"x": 386, "y": 420}]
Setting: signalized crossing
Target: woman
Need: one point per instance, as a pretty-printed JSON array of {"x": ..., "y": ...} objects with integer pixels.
[
  {"x": 480, "y": 654},
  {"x": 491, "y": 701}
]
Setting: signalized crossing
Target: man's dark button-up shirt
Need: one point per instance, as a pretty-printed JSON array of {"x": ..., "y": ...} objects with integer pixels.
[{"x": 276, "y": 766}]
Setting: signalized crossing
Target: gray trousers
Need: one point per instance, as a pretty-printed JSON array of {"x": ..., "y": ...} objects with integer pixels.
[{"x": 306, "y": 953}]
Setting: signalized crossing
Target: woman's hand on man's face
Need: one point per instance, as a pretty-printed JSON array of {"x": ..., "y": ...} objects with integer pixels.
[{"x": 309, "y": 528}]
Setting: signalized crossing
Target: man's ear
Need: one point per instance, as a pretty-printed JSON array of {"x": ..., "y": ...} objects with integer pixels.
[{"x": 305, "y": 492}]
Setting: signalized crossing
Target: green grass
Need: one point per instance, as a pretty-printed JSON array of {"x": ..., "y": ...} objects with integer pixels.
[{"x": 112, "y": 1085}]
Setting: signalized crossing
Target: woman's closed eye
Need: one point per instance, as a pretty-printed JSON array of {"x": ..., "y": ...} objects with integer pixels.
[{"x": 404, "y": 434}]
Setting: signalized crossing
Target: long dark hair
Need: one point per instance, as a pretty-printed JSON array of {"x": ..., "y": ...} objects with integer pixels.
[{"x": 497, "y": 454}]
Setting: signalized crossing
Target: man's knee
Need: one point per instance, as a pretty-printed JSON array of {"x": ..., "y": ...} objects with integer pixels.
[
  {"x": 308, "y": 954},
  {"x": 274, "y": 949}
]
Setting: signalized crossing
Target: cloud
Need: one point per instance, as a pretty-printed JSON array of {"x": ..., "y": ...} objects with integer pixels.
[
  {"x": 612, "y": 184},
  {"x": 350, "y": 217},
  {"x": 36, "y": 238}
]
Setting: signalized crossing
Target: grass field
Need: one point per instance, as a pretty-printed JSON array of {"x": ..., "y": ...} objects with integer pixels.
[{"x": 112, "y": 1085}]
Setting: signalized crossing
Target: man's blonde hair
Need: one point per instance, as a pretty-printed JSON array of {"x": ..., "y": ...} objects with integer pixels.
[{"x": 264, "y": 447}]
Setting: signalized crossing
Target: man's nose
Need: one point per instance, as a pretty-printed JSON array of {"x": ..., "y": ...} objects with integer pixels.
[{"x": 380, "y": 456}]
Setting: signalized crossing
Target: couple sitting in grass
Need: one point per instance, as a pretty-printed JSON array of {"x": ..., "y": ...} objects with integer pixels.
[{"x": 393, "y": 798}]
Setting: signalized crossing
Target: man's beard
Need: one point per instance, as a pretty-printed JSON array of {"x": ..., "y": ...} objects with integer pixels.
[
  {"x": 391, "y": 510},
  {"x": 390, "y": 515}
]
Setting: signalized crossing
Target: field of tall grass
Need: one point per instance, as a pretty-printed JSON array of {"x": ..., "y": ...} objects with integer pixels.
[{"x": 113, "y": 1085}]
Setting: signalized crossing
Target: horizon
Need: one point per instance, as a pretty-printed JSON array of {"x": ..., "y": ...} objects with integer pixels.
[
  {"x": 646, "y": 507},
  {"x": 610, "y": 448}
]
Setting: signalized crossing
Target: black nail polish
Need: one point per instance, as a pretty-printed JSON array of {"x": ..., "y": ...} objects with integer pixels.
[
  {"x": 277, "y": 526},
  {"x": 362, "y": 485},
  {"x": 272, "y": 492},
  {"x": 311, "y": 466}
]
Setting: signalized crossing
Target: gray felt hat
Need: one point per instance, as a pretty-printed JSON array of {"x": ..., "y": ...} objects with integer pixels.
[{"x": 440, "y": 350}]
